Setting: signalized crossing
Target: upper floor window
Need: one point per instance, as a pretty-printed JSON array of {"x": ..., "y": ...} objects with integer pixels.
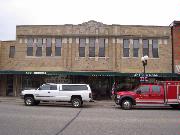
[
  {"x": 155, "y": 48},
  {"x": 58, "y": 47},
  {"x": 39, "y": 47},
  {"x": 12, "y": 52},
  {"x": 91, "y": 47},
  {"x": 126, "y": 48},
  {"x": 30, "y": 47},
  {"x": 145, "y": 47},
  {"x": 101, "y": 47},
  {"x": 48, "y": 47},
  {"x": 135, "y": 47},
  {"x": 82, "y": 44}
]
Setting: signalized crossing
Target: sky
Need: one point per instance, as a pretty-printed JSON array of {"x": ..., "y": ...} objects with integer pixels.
[{"x": 59, "y": 12}]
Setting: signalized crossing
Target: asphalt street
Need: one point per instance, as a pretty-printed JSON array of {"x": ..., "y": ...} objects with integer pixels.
[{"x": 92, "y": 119}]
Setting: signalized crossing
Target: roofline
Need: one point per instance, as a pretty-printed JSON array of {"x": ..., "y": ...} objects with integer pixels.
[{"x": 71, "y": 25}]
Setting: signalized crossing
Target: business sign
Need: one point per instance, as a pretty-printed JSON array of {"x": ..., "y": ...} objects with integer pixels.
[
  {"x": 146, "y": 75},
  {"x": 36, "y": 73}
]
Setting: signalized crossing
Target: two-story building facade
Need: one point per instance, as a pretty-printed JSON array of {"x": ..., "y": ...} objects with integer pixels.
[{"x": 91, "y": 52}]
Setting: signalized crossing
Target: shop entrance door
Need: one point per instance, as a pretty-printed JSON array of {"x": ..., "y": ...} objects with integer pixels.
[{"x": 9, "y": 89}]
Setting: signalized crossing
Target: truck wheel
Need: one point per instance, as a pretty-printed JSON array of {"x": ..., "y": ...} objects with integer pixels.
[
  {"x": 126, "y": 104},
  {"x": 29, "y": 101},
  {"x": 177, "y": 106},
  {"x": 76, "y": 102}
]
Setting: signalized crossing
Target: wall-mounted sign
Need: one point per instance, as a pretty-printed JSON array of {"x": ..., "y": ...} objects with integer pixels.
[
  {"x": 35, "y": 73},
  {"x": 146, "y": 75}
]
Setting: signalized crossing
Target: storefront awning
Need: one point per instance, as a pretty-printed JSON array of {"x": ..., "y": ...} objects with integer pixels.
[{"x": 88, "y": 73}]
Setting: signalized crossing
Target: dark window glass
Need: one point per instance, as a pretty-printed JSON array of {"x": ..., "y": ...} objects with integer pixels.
[
  {"x": 135, "y": 47},
  {"x": 126, "y": 48},
  {"x": 155, "y": 49},
  {"x": 91, "y": 47},
  {"x": 145, "y": 47},
  {"x": 12, "y": 52},
  {"x": 57, "y": 51},
  {"x": 156, "y": 89},
  {"x": 30, "y": 42},
  {"x": 39, "y": 51},
  {"x": 144, "y": 89},
  {"x": 101, "y": 47},
  {"x": 29, "y": 51},
  {"x": 48, "y": 51},
  {"x": 45, "y": 87},
  {"x": 53, "y": 87},
  {"x": 74, "y": 87},
  {"x": 82, "y": 43}
]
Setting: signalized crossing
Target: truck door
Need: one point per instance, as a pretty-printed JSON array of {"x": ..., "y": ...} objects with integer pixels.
[
  {"x": 143, "y": 94},
  {"x": 46, "y": 92},
  {"x": 157, "y": 94}
]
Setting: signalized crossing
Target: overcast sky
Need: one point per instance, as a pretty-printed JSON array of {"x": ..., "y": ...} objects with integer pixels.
[{"x": 54, "y": 12}]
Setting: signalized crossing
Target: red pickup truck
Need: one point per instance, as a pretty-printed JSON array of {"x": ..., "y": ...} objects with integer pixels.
[{"x": 166, "y": 92}]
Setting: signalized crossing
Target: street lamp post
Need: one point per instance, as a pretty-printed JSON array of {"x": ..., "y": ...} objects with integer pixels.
[{"x": 144, "y": 62}]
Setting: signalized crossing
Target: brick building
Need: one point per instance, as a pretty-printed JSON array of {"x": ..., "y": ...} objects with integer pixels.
[
  {"x": 176, "y": 46},
  {"x": 91, "y": 52}
]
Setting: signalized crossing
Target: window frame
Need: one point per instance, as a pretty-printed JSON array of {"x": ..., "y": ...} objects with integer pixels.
[{"x": 126, "y": 49}]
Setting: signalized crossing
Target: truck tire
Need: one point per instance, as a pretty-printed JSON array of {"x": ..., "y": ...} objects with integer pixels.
[
  {"x": 175, "y": 106},
  {"x": 76, "y": 102},
  {"x": 126, "y": 104},
  {"x": 29, "y": 101}
]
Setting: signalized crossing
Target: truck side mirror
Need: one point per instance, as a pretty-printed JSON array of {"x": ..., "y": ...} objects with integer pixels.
[{"x": 138, "y": 92}]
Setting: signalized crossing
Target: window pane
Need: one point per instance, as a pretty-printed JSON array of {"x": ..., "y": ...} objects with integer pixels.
[
  {"x": 101, "y": 42},
  {"x": 53, "y": 87},
  {"x": 126, "y": 43},
  {"x": 82, "y": 42},
  {"x": 156, "y": 89},
  {"x": 12, "y": 52},
  {"x": 91, "y": 51},
  {"x": 39, "y": 43},
  {"x": 101, "y": 52},
  {"x": 126, "y": 52},
  {"x": 144, "y": 89},
  {"x": 29, "y": 51},
  {"x": 58, "y": 42},
  {"x": 145, "y": 43},
  {"x": 39, "y": 51},
  {"x": 48, "y": 44},
  {"x": 92, "y": 42},
  {"x": 81, "y": 51},
  {"x": 30, "y": 42},
  {"x": 45, "y": 87},
  {"x": 145, "y": 51},
  {"x": 155, "y": 53},
  {"x": 135, "y": 52},
  {"x": 48, "y": 51},
  {"x": 155, "y": 43},
  {"x": 58, "y": 51},
  {"x": 135, "y": 43},
  {"x": 74, "y": 87}
]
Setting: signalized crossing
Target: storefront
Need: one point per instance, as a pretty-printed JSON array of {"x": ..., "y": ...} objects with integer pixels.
[{"x": 12, "y": 82}]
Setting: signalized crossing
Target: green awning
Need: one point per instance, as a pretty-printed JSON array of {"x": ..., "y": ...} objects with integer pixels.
[{"x": 88, "y": 73}]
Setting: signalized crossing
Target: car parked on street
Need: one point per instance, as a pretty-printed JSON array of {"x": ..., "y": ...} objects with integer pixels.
[{"x": 75, "y": 94}]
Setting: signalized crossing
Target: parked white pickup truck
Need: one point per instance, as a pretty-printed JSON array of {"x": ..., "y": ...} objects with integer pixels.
[{"x": 75, "y": 94}]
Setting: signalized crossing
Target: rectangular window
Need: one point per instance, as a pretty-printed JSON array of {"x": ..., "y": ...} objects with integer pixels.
[
  {"x": 156, "y": 89},
  {"x": 30, "y": 47},
  {"x": 101, "y": 47},
  {"x": 12, "y": 52},
  {"x": 155, "y": 49},
  {"x": 145, "y": 47},
  {"x": 82, "y": 44},
  {"x": 91, "y": 47},
  {"x": 39, "y": 47},
  {"x": 126, "y": 48},
  {"x": 135, "y": 47},
  {"x": 58, "y": 47},
  {"x": 74, "y": 87},
  {"x": 48, "y": 47}
]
